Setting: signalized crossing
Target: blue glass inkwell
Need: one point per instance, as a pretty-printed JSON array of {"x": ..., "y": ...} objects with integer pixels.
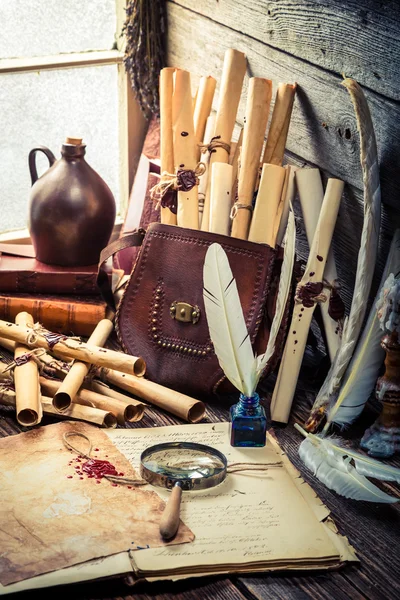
[
  {"x": 233, "y": 348},
  {"x": 248, "y": 422}
]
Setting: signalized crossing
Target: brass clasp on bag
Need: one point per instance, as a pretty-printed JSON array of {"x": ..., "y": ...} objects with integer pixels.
[{"x": 184, "y": 312}]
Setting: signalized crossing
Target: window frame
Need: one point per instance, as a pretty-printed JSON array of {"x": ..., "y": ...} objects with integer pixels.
[{"x": 132, "y": 125}]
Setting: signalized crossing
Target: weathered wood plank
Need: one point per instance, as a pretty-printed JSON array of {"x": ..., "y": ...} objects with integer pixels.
[
  {"x": 323, "y": 127},
  {"x": 361, "y": 39}
]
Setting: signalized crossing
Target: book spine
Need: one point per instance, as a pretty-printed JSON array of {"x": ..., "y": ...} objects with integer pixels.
[
  {"x": 35, "y": 282},
  {"x": 62, "y": 317}
]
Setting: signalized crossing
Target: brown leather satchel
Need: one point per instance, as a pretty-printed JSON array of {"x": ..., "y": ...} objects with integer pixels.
[{"x": 161, "y": 316}]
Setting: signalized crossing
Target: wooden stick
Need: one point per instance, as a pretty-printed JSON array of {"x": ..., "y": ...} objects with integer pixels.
[
  {"x": 290, "y": 186},
  {"x": 123, "y": 412},
  {"x": 257, "y": 110},
  {"x": 67, "y": 391},
  {"x": 72, "y": 348},
  {"x": 233, "y": 73},
  {"x": 220, "y": 197},
  {"x": 176, "y": 403},
  {"x": 26, "y": 381},
  {"x": 308, "y": 289},
  {"x": 269, "y": 206},
  {"x": 311, "y": 196},
  {"x": 185, "y": 148},
  {"x": 166, "y": 138},
  {"x": 203, "y": 106},
  {"x": 278, "y": 131}
]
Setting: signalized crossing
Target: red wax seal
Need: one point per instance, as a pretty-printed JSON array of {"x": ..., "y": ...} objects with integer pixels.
[{"x": 98, "y": 468}]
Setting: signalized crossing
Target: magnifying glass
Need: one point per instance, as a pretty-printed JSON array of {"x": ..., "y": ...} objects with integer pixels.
[{"x": 179, "y": 466}]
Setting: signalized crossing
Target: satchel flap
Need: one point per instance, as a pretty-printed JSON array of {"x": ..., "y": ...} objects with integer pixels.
[{"x": 162, "y": 317}]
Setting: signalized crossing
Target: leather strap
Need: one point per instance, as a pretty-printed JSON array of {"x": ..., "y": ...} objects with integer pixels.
[{"x": 127, "y": 241}]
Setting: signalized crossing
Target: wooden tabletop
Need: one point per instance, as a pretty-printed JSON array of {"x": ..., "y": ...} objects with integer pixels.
[{"x": 373, "y": 530}]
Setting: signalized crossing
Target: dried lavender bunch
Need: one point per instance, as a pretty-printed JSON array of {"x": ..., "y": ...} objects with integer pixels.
[{"x": 145, "y": 31}]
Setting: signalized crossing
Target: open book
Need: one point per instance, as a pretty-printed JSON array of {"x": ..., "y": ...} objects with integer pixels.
[{"x": 252, "y": 522}]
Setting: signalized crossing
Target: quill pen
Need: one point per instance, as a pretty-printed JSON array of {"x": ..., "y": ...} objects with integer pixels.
[
  {"x": 363, "y": 370},
  {"x": 283, "y": 292},
  {"x": 368, "y": 248},
  {"x": 228, "y": 330},
  {"x": 332, "y": 465}
]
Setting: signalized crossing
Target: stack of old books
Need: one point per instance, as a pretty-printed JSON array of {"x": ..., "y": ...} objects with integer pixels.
[{"x": 63, "y": 299}]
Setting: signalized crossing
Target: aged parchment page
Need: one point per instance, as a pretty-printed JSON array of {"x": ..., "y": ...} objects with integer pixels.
[
  {"x": 120, "y": 563},
  {"x": 53, "y": 515},
  {"x": 256, "y": 519}
]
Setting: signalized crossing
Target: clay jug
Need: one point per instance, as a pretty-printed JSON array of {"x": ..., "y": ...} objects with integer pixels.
[{"x": 71, "y": 211}]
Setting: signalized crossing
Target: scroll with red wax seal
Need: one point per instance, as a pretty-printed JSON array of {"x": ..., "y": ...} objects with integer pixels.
[{"x": 309, "y": 292}]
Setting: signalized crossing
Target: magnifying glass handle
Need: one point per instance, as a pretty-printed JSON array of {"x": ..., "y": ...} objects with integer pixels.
[{"x": 170, "y": 520}]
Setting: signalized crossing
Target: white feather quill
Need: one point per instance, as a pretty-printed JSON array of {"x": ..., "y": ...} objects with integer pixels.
[
  {"x": 363, "y": 370},
  {"x": 368, "y": 248},
  {"x": 285, "y": 283},
  {"x": 228, "y": 330},
  {"x": 332, "y": 465}
]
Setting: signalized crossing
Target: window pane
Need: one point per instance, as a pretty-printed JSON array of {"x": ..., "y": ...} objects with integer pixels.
[
  {"x": 42, "y": 109},
  {"x": 45, "y": 27}
]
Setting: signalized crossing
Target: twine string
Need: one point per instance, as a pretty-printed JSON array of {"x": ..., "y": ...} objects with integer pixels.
[
  {"x": 241, "y": 467},
  {"x": 23, "y": 359},
  {"x": 239, "y": 206},
  {"x": 310, "y": 294},
  {"x": 182, "y": 180},
  {"x": 215, "y": 143}
]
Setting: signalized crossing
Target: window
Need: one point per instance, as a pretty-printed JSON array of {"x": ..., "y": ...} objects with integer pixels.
[{"x": 61, "y": 73}]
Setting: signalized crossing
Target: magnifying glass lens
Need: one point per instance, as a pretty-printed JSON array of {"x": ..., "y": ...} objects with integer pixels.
[{"x": 182, "y": 463}]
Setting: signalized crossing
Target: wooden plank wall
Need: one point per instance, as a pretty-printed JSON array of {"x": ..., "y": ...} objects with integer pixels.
[{"x": 312, "y": 42}]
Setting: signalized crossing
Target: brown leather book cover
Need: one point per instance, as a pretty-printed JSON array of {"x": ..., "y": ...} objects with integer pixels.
[
  {"x": 72, "y": 316},
  {"x": 25, "y": 274}
]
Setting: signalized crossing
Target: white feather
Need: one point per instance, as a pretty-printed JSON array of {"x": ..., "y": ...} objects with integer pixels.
[
  {"x": 363, "y": 370},
  {"x": 368, "y": 248},
  {"x": 331, "y": 464},
  {"x": 285, "y": 283},
  {"x": 226, "y": 323}
]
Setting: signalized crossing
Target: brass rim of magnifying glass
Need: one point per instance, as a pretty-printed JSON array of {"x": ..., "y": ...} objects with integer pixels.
[{"x": 168, "y": 482}]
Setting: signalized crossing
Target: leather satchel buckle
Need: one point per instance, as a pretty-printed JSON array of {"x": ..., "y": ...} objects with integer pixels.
[{"x": 184, "y": 312}]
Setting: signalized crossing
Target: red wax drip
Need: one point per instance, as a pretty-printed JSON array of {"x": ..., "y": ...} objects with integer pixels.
[{"x": 98, "y": 468}]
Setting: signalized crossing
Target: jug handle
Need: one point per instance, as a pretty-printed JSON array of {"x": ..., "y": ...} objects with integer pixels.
[{"x": 32, "y": 160}]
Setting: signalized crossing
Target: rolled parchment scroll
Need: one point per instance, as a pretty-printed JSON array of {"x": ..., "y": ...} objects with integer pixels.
[
  {"x": 233, "y": 73},
  {"x": 278, "y": 130},
  {"x": 220, "y": 197},
  {"x": 234, "y": 160},
  {"x": 269, "y": 205},
  {"x": 122, "y": 411},
  {"x": 202, "y": 109},
  {"x": 311, "y": 195},
  {"x": 76, "y": 411},
  {"x": 188, "y": 409},
  {"x": 102, "y": 388},
  {"x": 309, "y": 292},
  {"x": 67, "y": 391},
  {"x": 290, "y": 187},
  {"x": 205, "y": 159},
  {"x": 26, "y": 379},
  {"x": 69, "y": 348},
  {"x": 257, "y": 111},
  {"x": 185, "y": 150},
  {"x": 166, "y": 138}
]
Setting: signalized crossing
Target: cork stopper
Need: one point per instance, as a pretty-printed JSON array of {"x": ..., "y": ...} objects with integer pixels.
[{"x": 74, "y": 141}]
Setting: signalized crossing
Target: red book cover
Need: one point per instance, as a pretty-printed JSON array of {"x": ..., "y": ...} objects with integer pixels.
[{"x": 25, "y": 274}]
